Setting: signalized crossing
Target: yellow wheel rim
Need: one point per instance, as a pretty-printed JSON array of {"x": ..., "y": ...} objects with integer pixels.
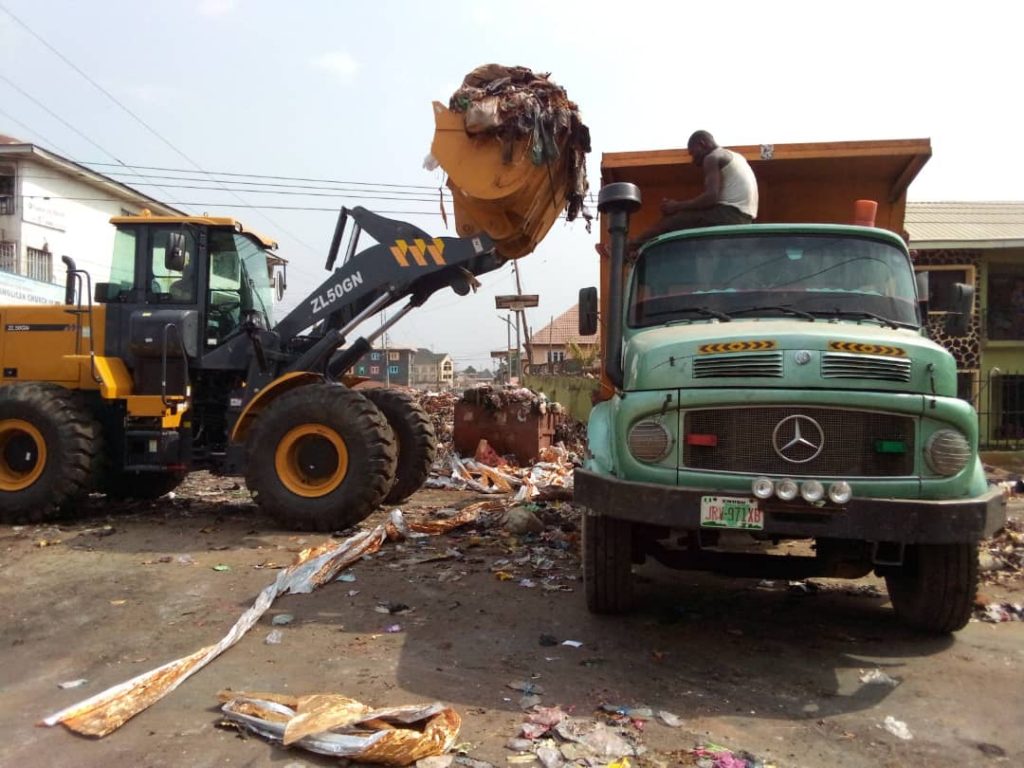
[
  {"x": 311, "y": 460},
  {"x": 22, "y": 455}
]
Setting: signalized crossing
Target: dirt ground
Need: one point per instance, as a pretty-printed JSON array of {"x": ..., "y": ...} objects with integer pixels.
[{"x": 766, "y": 668}]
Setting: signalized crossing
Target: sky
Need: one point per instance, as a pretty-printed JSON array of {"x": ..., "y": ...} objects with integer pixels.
[{"x": 342, "y": 91}]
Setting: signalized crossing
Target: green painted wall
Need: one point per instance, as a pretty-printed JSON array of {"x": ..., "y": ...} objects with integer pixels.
[{"x": 573, "y": 392}]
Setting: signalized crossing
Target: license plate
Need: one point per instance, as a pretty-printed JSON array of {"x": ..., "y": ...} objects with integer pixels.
[{"x": 731, "y": 512}]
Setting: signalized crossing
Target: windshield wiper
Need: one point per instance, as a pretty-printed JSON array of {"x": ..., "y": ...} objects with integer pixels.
[
  {"x": 786, "y": 310},
  {"x": 702, "y": 311},
  {"x": 837, "y": 313}
]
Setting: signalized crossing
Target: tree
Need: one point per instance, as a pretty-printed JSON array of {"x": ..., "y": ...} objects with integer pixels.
[{"x": 586, "y": 356}]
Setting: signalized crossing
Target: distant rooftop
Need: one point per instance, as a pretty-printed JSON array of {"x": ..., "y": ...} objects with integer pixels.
[
  {"x": 562, "y": 330},
  {"x": 966, "y": 224}
]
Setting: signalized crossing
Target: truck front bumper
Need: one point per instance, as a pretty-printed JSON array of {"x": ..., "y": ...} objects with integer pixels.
[{"x": 910, "y": 521}]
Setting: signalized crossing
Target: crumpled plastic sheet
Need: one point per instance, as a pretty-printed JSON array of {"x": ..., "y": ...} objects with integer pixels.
[
  {"x": 335, "y": 725},
  {"x": 108, "y": 710},
  {"x": 548, "y": 479}
]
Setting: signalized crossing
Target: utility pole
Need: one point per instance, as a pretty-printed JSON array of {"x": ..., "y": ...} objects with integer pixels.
[
  {"x": 526, "y": 328},
  {"x": 508, "y": 350}
]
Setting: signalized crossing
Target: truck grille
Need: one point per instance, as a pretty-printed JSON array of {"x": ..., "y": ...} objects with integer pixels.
[
  {"x": 836, "y": 365},
  {"x": 761, "y": 364},
  {"x": 854, "y": 444}
]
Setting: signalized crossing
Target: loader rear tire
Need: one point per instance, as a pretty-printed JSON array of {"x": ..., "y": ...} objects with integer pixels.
[
  {"x": 320, "y": 458},
  {"x": 143, "y": 486},
  {"x": 417, "y": 444},
  {"x": 49, "y": 450}
]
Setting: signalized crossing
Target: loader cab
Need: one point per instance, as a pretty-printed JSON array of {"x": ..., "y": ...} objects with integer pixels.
[{"x": 209, "y": 273}]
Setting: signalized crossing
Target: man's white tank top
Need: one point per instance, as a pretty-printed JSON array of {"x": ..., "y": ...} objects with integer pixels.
[{"x": 739, "y": 186}]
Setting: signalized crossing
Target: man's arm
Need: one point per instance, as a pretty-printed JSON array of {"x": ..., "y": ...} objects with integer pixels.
[{"x": 707, "y": 198}]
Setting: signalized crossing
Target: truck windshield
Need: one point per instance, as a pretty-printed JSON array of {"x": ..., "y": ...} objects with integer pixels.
[{"x": 773, "y": 275}]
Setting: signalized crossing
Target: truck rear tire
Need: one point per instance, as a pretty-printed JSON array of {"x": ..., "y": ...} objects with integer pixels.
[
  {"x": 934, "y": 589},
  {"x": 144, "y": 486},
  {"x": 414, "y": 435},
  {"x": 320, "y": 458},
  {"x": 607, "y": 564},
  {"x": 49, "y": 448}
]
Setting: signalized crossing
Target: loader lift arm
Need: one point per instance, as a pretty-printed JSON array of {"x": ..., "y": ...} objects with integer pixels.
[{"x": 404, "y": 262}]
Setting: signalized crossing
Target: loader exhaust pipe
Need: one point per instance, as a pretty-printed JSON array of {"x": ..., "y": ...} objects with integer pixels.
[
  {"x": 617, "y": 201},
  {"x": 70, "y": 281}
]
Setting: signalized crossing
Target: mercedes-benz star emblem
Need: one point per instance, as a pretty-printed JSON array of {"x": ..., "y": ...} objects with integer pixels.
[{"x": 798, "y": 439}]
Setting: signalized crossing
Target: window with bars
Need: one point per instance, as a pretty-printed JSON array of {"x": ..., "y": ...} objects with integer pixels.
[
  {"x": 6, "y": 192},
  {"x": 9, "y": 257},
  {"x": 39, "y": 265}
]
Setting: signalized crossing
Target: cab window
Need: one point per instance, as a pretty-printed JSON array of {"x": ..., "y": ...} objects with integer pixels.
[{"x": 172, "y": 265}]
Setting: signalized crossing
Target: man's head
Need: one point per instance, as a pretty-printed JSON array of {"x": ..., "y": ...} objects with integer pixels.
[{"x": 700, "y": 144}]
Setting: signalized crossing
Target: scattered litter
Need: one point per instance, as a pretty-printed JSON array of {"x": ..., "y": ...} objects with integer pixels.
[
  {"x": 281, "y": 619},
  {"x": 353, "y": 592},
  {"x": 435, "y": 761},
  {"x": 274, "y": 637},
  {"x": 185, "y": 560},
  {"x": 525, "y": 686},
  {"x": 346, "y": 577},
  {"x": 667, "y": 718},
  {"x": 393, "y": 629},
  {"x": 597, "y": 738},
  {"x": 529, "y": 702},
  {"x": 221, "y": 567},
  {"x": 521, "y": 521},
  {"x": 110, "y": 709},
  {"x": 997, "y": 613},
  {"x": 877, "y": 677},
  {"x": 897, "y": 728},
  {"x": 572, "y": 643},
  {"x": 72, "y": 683},
  {"x": 527, "y": 583},
  {"x": 716, "y": 756},
  {"x": 1001, "y": 558},
  {"x": 396, "y": 609},
  {"x": 342, "y": 727},
  {"x": 118, "y": 602}
]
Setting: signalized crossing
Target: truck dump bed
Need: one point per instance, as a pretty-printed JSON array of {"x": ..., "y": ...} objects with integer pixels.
[{"x": 813, "y": 183}]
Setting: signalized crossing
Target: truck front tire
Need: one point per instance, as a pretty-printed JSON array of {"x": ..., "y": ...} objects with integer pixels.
[
  {"x": 935, "y": 588},
  {"x": 607, "y": 564}
]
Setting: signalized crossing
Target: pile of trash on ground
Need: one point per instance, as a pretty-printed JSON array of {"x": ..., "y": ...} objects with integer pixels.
[
  {"x": 548, "y": 477},
  {"x": 512, "y": 103}
]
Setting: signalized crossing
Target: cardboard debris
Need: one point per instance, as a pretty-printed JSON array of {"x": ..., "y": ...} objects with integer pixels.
[
  {"x": 107, "y": 711},
  {"x": 335, "y": 725}
]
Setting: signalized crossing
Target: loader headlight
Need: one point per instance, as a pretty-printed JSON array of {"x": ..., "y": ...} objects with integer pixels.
[
  {"x": 649, "y": 441},
  {"x": 840, "y": 492},
  {"x": 947, "y": 452},
  {"x": 812, "y": 491},
  {"x": 763, "y": 488}
]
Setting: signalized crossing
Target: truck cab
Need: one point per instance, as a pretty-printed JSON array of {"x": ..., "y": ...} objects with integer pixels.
[{"x": 773, "y": 382}]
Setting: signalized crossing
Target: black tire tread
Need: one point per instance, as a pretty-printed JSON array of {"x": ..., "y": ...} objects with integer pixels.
[
  {"x": 372, "y": 458},
  {"x": 71, "y": 463},
  {"x": 417, "y": 443},
  {"x": 607, "y": 564},
  {"x": 935, "y": 589}
]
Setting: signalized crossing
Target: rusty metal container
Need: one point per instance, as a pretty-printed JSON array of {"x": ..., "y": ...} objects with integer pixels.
[{"x": 515, "y": 428}]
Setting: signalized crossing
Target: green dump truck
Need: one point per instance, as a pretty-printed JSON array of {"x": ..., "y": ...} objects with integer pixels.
[{"x": 774, "y": 382}]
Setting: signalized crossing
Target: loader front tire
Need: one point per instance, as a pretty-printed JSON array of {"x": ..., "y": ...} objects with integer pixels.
[
  {"x": 49, "y": 448},
  {"x": 320, "y": 458},
  {"x": 417, "y": 444}
]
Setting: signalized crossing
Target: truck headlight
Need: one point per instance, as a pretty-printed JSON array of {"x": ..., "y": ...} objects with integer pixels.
[
  {"x": 649, "y": 441},
  {"x": 947, "y": 452}
]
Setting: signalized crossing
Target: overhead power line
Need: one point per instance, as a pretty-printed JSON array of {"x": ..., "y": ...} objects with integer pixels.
[{"x": 135, "y": 117}]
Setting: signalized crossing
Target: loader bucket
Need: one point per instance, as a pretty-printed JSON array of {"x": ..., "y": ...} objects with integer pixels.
[{"x": 497, "y": 189}]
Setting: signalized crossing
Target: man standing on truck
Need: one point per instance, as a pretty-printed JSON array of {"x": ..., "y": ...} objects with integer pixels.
[{"x": 729, "y": 196}]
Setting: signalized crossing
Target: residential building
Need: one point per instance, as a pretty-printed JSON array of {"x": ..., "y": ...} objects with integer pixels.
[
  {"x": 981, "y": 244},
  {"x": 392, "y": 366},
  {"x": 553, "y": 344},
  {"x": 51, "y": 207},
  {"x": 432, "y": 370},
  {"x": 471, "y": 377}
]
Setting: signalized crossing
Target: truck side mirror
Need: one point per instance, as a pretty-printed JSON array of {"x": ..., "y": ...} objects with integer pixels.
[
  {"x": 588, "y": 311},
  {"x": 958, "y": 321},
  {"x": 174, "y": 256}
]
